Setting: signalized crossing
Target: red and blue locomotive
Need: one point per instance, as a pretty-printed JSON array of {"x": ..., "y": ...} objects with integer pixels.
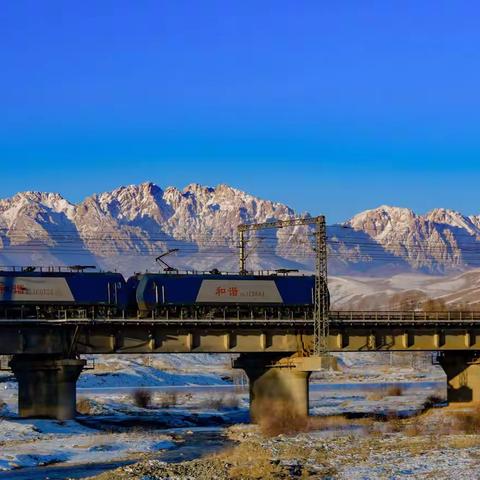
[{"x": 77, "y": 292}]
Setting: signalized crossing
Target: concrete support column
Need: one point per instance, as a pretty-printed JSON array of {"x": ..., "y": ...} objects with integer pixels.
[
  {"x": 463, "y": 376},
  {"x": 46, "y": 385},
  {"x": 274, "y": 383}
]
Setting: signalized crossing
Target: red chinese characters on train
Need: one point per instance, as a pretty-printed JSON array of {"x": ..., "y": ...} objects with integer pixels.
[
  {"x": 226, "y": 292},
  {"x": 16, "y": 289}
]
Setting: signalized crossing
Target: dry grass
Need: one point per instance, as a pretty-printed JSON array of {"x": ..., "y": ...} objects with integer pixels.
[
  {"x": 221, "y": 401},
  {"x": 276, "y": 418},
  {"x": 464, "y": 442},
  {"x": 434, "y": 305},
  {"x": 468, "y": 421},
  {"x": 249, "y": 460},
  {"x": 430, "y": 423},
  {"x": 84, "y": 406},
  {"x": 142, "y": 398},
  {"x": 285, "y": 423},
  {"x": 376, "y": 396},
  {"x": 414, "y": 428},
  {"x": 394, "y": 391},
  {"x": 231, "y": 401},
  {"x": 168, "y": 400},
  {"x": 332, "y": 422}
]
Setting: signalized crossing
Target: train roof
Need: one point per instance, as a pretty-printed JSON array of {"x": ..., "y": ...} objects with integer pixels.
[
  {"x": 52, "y": 271},
  {"x": 249, "y": 275}
]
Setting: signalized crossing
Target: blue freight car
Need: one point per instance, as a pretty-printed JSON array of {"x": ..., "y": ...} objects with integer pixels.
[
  {"x": 214, "y": 295},
  {"x": 49, "y": 294}
]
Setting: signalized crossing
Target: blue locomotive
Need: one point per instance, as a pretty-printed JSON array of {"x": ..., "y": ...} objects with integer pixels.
[
  {"x": 215, "y": 295},
  {"x": 74, "y": 292},
  {"x": 61, "y": 292}
]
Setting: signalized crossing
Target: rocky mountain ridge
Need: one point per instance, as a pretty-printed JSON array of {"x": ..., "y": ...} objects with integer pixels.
[{"x": 127, "y": 228}]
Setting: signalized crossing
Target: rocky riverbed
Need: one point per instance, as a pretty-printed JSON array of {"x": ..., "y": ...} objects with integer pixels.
[{"x": 436, "y": 444}]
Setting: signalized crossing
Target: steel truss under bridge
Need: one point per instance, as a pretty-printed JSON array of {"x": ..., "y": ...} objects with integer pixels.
[{"x": 321, "y": 296}]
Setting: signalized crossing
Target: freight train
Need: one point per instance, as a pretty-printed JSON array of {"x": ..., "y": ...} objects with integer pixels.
[{"x": 75, "y": 292}]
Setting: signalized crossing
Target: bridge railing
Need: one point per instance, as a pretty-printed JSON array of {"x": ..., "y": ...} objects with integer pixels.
[{"x": 405, "y": 316}]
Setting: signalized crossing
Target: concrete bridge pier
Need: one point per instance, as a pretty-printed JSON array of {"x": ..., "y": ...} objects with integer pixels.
[
  {"x": 278, "y": 384},
  {"x": 46, "y": 385},
  {"x": 463, "y": 376}
]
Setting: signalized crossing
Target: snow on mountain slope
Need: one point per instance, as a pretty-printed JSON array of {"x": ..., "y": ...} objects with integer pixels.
[
  {"x": 440, "y": 241},
  {"x": 406, "y": 292},
  {"x": 127, "y": 228}
]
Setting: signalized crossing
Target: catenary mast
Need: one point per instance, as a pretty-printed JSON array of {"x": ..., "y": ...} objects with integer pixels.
[{"x": 321, "y": 301}]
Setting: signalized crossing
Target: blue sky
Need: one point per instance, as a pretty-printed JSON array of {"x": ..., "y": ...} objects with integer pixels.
[{"x": 330, "y": 107}]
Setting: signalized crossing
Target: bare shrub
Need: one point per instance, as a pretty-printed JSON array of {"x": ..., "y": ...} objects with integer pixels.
[
  {"x": 280, "y": 420},
  {"x": 287, "y": 422},
  {"x": 434, "y": 305},
  {"x": 240, "y": 381},
  {"x": 393, "y": 422},
  {"x": 414, "y": 427},
  {"x": 231, "y": 401},
  {"x": 377, "y": 395},
  {"x": 218, "y": 402},
  {"x": 408, "y": 300},
  {"x": 213, "y": 403},
  {"x": 168, "y": 400},
  {"x": 431, "y": 401},
  {"x": 142, "y": 398},
  {"x": 330, "y": 422},
  {"x": 461, "y": 422},
  {"x": 85, "y": 406},
  {"x": 394, "y": 391}
]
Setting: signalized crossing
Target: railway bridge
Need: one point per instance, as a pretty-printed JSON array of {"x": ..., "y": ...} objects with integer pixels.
[{"x": 46, "y": 356}]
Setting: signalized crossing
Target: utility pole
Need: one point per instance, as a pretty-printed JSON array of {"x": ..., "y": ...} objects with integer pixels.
[
  {"x": 321, "y": 303},
  {"x": 242, "y": 245},
  {"x": 321, "y": 297}
]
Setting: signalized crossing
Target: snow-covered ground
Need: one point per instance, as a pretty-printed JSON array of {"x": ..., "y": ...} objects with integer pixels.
[
  {"x": 120, "y": 430},
  {"x": 28, "y": 443},
  {"x": 154, "y": 371},
  {"x": 114, "y": 428},
  {"x": 187, "y": 391},
  {"x": 435, "y": 444},
  {"x": 395, "y": 292}
]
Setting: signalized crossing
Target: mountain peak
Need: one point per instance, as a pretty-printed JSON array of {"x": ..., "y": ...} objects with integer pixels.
[
  {"x": 138, "y": 221},
  {"x": 49, "y": 200},
  {"x": 452, "y": 218},
  {"x": 380, "y": 218}
]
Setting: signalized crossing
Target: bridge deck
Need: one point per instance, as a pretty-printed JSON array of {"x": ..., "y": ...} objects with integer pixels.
[
  {"x": 349, "y": 332},
  {"x": 336, "y": 318}
]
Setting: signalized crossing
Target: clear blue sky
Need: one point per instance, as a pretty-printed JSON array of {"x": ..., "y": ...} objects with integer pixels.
[{"x": 330, "y": 107}]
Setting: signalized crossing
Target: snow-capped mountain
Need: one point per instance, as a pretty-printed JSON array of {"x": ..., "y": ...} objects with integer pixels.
[
  {"x": 127, "y": 228},
  {"x": 439, "y": 242}
]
